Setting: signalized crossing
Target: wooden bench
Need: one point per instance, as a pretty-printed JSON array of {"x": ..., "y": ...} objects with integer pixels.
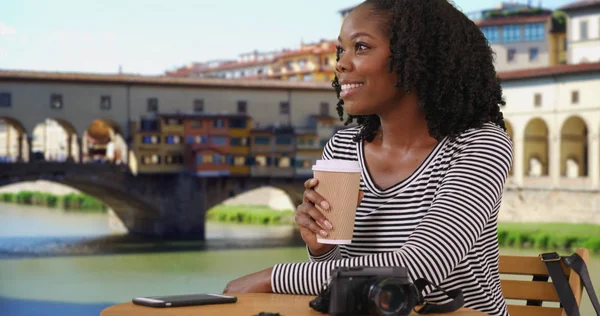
[{"x": 536, "y": 290}]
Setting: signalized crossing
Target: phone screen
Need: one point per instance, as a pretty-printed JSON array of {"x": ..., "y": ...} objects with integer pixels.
[{"x": 184, "y": 300}]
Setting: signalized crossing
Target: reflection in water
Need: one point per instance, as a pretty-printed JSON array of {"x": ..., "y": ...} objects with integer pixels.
[{"x": 48, "y": 274}]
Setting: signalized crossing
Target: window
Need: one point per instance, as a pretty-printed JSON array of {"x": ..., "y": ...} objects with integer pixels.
[
  {"x": 534, "y": 31},
  {"x": 307, "y": 77},
  {"x": 173, "y": 139},
  {"x": 326, "y": 61},
  {"x": 242, "y": 107},
  {"x": 324, "y": 108},
  {"x": 150, "y": 160},
  {"x": 218, "y": 123},
  {"x": 575, "y": 97},
  {"x": 229, "y": 160},
  {"x": 150, "y": 139},
  {"x": 174, "y": 160},
  {"x": 238, "y": 123},
  {"x": 322, "y": 143},
  {"x": 537, "y": 99},
  {"x": 56, "y": 101},
  {"x": 199, "y": 106},
  {"x": 201, "y": 139},
  {"x": 5, "y": 100},
  {"x": 199, "y": 159},
  {"x": 217, "y": 159},
  {"x": 262, "y": 140},
  {"x": 152, "y": 105},
  {"x": 189, "y": 139},
  {"x": 261, "y": 161},
  {"x": 511, "y": 33},
  {"x": 239, "y": 161},
  {"x": 284, "y": 108},
  {"x": 511, "y": 54},
  {"x": 174, "y": 121},
  {"x": 491, "y": 33},
  {"x": 283, "y": 140},
  {"x": 583, "y": 30},
  {"x": 196, "y": 124},
  {"x": 149, "y": 126},
  {"x": 533, "y": 54},
  {"x": 238, "y": 141},
  {"x": 105, "y": 102},
  {"x": 285, "y": 162},
  {"x": 218, "y": 140},
  {"x": 310, "y": 142}
]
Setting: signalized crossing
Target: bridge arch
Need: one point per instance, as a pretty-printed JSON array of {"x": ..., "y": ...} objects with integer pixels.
[
  {"x": 104, "y": 140},
  {"x": 55, "y": 140},
  {"x": 14, "y": 145}
]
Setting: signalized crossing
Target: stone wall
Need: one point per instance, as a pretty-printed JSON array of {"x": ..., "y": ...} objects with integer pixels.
[{"x": 550, "y": 206}]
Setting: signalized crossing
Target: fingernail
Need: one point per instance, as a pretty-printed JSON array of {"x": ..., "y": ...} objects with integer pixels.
[
  {"x": 323, "y": 233},
  {"x": 328, "y": 224},
  {"x": 313, "y": 181},
  {"x": 325, "y": 205}
]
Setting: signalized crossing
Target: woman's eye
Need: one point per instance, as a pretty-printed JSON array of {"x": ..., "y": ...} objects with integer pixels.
[
  {"x": 339, "y": 49},
  {"x": 360, "y": 46}
]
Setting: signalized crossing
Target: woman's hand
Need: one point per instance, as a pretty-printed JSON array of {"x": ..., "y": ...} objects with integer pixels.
[
  {"x": 311, "y": 221},
  {"x": 259, "y": 282}
]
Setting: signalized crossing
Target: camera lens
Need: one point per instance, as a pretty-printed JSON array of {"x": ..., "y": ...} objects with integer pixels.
[{"x": 389, "y": 297}]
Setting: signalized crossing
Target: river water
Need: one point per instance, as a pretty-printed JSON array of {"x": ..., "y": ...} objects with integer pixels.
[{"x": 55, "y": 263}]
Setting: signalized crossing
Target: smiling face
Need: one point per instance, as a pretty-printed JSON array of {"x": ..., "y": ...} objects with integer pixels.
[{"x": 368, "y": 87}]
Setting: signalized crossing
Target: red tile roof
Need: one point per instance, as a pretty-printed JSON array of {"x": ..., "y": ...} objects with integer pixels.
[
  {"x": 549, "y": 71},
  {"x": 31, "y": 76},
  {"x": 513, "y": 20},
  {"x": 579, "y": 5},
  {"x": 34, "y": 76}
]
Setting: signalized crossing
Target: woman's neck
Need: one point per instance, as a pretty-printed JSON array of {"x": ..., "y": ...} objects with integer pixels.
[{"x": 405, "y": 126}]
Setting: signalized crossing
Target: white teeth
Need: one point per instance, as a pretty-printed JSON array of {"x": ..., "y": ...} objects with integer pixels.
[{"x": 351, "y": 86}]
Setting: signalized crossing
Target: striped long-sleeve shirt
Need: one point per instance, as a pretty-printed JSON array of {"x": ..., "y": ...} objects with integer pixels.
[{"x": 440, "y": 222}]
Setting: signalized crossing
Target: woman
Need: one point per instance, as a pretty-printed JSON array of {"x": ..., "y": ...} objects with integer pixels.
[{"x": 418, "y": 78}]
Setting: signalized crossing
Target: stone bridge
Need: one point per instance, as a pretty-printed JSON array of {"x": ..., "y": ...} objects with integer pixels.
[{"x": 162, "y": 205}]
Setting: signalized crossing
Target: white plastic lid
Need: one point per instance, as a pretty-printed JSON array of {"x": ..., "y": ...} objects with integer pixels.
[{"x": 337, "y": 165}]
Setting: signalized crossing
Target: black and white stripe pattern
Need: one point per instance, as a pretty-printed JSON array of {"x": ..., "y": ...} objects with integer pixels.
[{"x": 440, "y": 223}]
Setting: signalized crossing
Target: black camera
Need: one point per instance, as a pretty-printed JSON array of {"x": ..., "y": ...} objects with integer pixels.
[{"x": 372, "y": 291}]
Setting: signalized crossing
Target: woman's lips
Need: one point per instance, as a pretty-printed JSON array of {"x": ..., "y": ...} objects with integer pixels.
[{"x": 350, "y": 89}]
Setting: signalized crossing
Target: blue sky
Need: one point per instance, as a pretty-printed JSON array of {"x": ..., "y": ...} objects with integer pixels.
[{"x": 150, "y": 36}]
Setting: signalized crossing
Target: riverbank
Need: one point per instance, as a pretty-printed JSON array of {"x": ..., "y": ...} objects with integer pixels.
[
  {"x": 250, "y": 214},
  {"x": 78, "y": 202}
]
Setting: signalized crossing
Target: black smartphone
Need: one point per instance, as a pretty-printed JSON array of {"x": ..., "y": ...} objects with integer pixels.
[{"x": 184, "y": 300}]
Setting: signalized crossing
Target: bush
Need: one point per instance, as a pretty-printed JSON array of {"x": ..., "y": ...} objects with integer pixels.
[
  {"x": 257, "y": 215},
  {"x": 69, "y": 202},
  {"x": 557, "y": 236}
]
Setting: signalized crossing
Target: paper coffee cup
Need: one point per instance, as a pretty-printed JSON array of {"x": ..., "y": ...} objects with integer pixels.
[{"x": 339, "y": 185}]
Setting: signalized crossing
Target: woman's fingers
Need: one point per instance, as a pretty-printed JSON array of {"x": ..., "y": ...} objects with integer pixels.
[
  {"x": 311, "y": 183},
  {"x": 303, "y": 219},
  {"x": 315, "y": 198}
]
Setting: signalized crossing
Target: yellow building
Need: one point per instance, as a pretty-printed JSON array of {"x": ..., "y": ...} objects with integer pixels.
[
  {"x": 158, "y": 144},
  {"x": 312, "y": 62},
  {"x": 239, "y": 145}
]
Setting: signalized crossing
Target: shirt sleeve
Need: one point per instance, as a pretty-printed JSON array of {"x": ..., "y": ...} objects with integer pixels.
[
  {"x": 464, "y": 203},
  {"x": 335, "y": 252}
]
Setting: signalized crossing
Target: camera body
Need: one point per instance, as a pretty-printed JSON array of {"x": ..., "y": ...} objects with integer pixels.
[{"x": 372, "y": 291}]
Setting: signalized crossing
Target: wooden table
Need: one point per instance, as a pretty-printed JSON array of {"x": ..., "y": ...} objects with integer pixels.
[{"x": 247, "y": 305}]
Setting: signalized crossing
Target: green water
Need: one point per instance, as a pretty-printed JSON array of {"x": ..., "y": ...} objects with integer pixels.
[{"x": 73, "y": 284}]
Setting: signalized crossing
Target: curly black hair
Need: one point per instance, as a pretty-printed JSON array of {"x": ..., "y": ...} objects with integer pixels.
[{"x": 444, "y": 56}]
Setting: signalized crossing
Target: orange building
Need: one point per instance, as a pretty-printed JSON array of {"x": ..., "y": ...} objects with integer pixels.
[{"x": 216, "y": 144}]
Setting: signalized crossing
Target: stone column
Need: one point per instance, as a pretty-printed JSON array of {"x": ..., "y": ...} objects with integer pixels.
[
  {"x": 79, "y": 149},
  {"x": 70, "y": 148},
  {"x": 554, "y": 157},
  {"x": 594, "y": 159},
  {"x": 20, "y": 146},
  {"x": 518, "y": 156},
  {"x": 29, "y": 148}
]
